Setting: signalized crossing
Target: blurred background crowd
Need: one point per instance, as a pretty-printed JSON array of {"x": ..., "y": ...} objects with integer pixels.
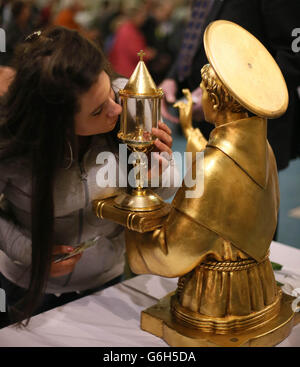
[{"x": 120, "y": 27}]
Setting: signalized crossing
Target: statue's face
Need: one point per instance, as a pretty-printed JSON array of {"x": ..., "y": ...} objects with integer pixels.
[{"x": 207, "y": 105}]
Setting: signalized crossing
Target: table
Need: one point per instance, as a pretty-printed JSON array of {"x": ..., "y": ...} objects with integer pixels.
[{"x": 111, "y": 318}]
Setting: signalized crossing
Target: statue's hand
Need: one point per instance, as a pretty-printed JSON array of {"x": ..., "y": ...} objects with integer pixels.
[
  {"x": 197, "y": 105},
  {"x": 185, "y": 110},
  {"x": 188, "y": 96}
]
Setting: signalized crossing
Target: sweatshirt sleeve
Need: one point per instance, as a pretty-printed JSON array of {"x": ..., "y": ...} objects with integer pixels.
[{"x": 14, "y": 242}]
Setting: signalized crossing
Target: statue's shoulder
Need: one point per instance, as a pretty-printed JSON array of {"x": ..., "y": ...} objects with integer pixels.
[{"x": 216, "y": 163}]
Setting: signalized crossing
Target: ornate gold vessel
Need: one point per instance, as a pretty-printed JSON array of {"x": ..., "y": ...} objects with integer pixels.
[{"x": 140, "y": 100}]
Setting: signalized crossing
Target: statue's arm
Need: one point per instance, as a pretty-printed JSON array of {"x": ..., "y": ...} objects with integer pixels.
[
  {"x": 171, "y": 251},
  {"x": 196, "y": 142}
]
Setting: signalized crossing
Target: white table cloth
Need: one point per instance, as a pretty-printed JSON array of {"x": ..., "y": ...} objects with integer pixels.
[{"x": 111, "y": 318}]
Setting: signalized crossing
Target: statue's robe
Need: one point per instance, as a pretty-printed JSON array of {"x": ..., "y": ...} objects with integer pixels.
[{"x": 239, "y": 206}]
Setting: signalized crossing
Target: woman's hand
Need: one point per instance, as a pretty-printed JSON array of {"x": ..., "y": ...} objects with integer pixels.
[
  {"x": 198, "y": 114},
  {"x": 164, "y": 140},
  {"x": 65, "y": 266},
  {"x": 163, "y": 143}
]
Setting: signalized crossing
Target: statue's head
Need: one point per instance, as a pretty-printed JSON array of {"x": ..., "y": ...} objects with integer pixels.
[{"x": 216, "y": 98}]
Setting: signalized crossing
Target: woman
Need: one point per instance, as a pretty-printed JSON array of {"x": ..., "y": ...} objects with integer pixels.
[{"x": 59, "y": 112}]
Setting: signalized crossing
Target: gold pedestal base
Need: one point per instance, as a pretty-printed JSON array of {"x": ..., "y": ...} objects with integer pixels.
[
  {"x": 158, "y": 321},
  {"x": 139, "y": 200}
]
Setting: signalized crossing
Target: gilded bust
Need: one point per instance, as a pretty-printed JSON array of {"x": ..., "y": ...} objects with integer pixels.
[{"x": 218, "y": 244}]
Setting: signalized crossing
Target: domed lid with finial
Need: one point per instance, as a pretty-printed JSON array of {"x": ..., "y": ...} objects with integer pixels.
[{"x": 141, "y": 84}]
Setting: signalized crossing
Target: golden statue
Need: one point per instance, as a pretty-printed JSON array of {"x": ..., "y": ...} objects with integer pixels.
[{"x": 218, "y": 244}]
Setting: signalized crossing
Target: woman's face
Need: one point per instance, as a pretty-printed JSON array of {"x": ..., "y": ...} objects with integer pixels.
[{"x": 98, "y": 110}]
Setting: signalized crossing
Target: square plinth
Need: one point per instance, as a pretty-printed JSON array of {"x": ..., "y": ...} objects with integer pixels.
[{"x": 159, "y": 321}]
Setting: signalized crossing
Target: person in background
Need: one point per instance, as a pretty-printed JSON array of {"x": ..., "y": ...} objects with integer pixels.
[
  {"x": 128, "y": 41},
  {"x": 46, "y": 16},
  {"x": 67, "y": 18},
  {"x": 157, "y": 30},
  {"x": 6, "y": 76},
  {"x": 103, "y": 21},
  {"x": 272, "y": 22},
  {"x": 34, "y": 14},
  {"x": 5, "y": 12},
  {"x": 17, "y": 29}
]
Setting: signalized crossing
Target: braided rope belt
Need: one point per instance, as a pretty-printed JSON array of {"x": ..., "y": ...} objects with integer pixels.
[
  {"x": 228, "y": 265},
  {"x": 231, "y": 265}
]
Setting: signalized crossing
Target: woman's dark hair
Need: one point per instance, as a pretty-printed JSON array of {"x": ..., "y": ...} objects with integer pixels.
[{"x": 53, "y": 69}]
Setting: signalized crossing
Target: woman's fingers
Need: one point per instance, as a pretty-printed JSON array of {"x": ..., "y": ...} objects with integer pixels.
[
  {"x": 71, "y": 260},
  {"x": 163, "y": 147},
  {"x": 62, "y": 249},
  {"x": 163, "y": 134},
  {"x": 162, "y": 159},
  {"x": 65, "y": 266},
  {"x": 164, "y": 127}
]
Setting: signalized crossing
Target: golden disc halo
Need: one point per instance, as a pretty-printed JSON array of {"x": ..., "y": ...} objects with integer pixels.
[{"x": 246, "y": 68}]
